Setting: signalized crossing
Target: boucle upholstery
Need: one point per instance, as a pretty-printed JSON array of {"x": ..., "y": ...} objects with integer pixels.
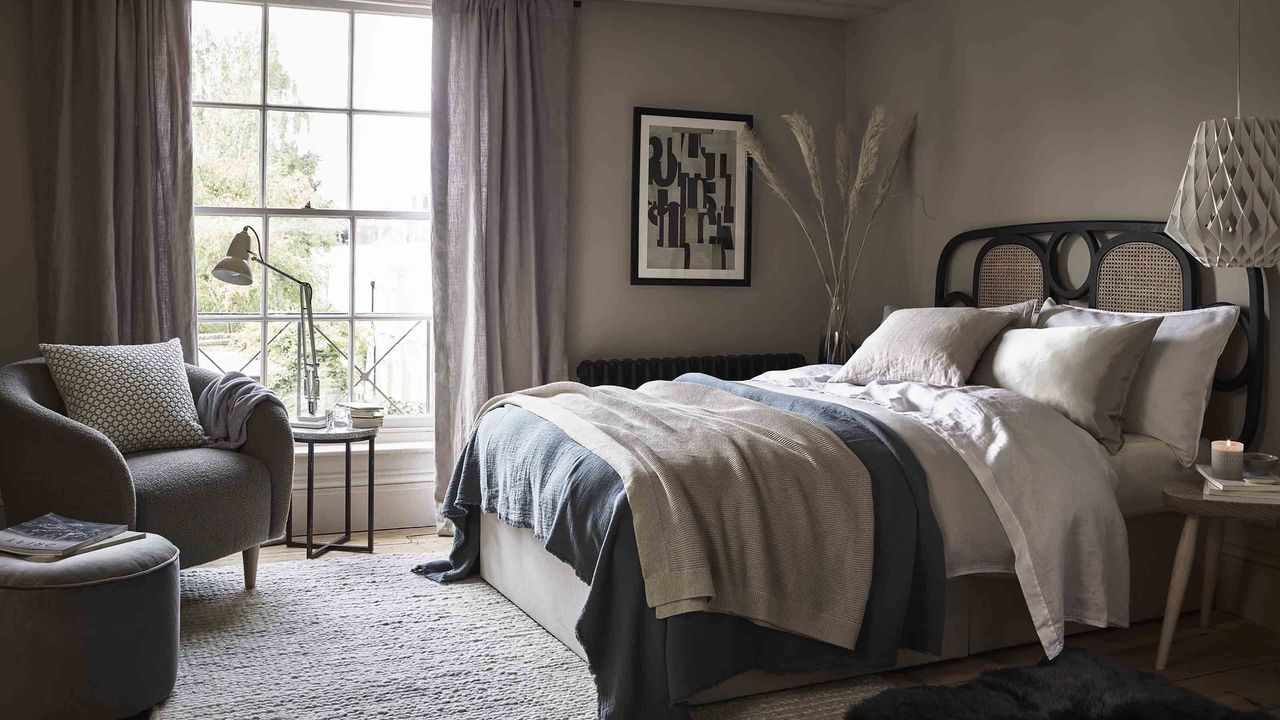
[{"x": 210, "y": 503}]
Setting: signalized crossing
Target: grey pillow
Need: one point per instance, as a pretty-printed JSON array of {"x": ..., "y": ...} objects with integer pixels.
[
  {"x": 136, "y": 395},
  {"x": 1025, "y": 311},
  {"x": 938, "y": 346},
  {"x": 1082, "y": 372},
  {"x": 1171, "y": 391}
]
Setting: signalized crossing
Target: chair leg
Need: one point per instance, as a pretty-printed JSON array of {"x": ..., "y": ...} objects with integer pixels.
[{"x": 250, "y": 567}]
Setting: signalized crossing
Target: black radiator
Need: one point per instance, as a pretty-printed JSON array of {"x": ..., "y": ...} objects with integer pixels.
[{"x": 633, "y": 373}]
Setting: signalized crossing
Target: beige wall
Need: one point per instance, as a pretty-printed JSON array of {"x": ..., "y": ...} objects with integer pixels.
[
  {"x": 17, "y": 251},
  {"x": 1033, "y": 111},
  {"x": 632, "y": 54}
]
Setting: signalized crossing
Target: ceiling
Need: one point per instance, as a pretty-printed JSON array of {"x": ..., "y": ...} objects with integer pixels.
[{"x": 834, "y": 9}]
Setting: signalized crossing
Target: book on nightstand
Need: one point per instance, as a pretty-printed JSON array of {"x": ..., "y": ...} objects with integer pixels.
[
  {"x": 1261, "y": 490},
  {"x": 52, "y": 537},
  {"x": 361, "y": 409},
  {"x": 363, "y": 414}
]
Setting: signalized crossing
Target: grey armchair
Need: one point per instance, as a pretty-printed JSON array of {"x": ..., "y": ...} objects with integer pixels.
[{"x": 209, "y": 503}]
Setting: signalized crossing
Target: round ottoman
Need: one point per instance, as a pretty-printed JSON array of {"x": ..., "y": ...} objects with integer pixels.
[{"x": 90, "y": 636}]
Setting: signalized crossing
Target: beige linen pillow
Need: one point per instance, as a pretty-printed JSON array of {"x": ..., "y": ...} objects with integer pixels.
[
  {"x": 1171, "y": 390},
  {"x": 1082, "y": 372},
  {"x": 938, "y": 346},
  {"x": 1026, "y": 312}
]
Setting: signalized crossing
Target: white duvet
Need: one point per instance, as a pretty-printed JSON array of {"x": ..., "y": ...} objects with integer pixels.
[{"x": 1047, "y": 482}]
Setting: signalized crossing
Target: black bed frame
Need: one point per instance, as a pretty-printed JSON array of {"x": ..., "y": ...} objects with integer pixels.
[
  {"x": 1045, "y": 241},
  {"x": 1102, "y": 237}
]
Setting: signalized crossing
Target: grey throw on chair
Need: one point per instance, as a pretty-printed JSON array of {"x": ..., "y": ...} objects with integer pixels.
[{"x": 209, "y": 503}]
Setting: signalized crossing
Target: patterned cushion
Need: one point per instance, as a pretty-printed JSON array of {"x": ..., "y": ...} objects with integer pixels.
[{"x": 136, "y": 395}]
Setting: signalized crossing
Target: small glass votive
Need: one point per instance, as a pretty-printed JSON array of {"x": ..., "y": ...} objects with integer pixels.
[{"x": 1227, "y": 459}]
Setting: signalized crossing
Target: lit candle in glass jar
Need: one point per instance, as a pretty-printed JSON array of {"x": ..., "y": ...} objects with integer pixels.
[{"x": 1227, "y": 458}]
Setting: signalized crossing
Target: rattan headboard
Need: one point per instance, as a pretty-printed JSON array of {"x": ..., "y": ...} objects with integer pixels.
[{"x": 1133, "y": 267}]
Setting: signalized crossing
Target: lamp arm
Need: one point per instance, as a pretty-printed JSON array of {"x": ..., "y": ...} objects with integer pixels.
[
  {"x": 310, "y": 359},
  {"x": 258, "y": 259}
]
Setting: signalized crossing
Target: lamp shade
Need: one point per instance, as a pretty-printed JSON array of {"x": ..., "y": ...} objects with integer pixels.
[
  {"x": 234, "y": 268},
  {"x": 1227, "y": 210}
]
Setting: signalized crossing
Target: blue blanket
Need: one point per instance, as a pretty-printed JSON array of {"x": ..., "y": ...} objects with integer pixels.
[{"x": 649, "y": 668}]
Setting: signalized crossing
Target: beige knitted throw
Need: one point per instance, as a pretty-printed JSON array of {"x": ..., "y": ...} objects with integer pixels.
[{"x": 738, "y": 507}]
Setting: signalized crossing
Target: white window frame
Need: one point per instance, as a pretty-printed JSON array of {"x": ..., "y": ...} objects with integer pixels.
[{"x": 412, "y": 430}]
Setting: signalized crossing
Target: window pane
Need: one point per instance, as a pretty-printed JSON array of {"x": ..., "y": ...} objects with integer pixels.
[
  {"x": 228, "y": 347},
  {"x": 391, "y": 365},
  {"x": 226, "y": 156},
  {"x": 284, "y": 374},
  {"x": 390, "y": 162},
  {"x": 226, "y": 52},
  {"x": 213, "y": 235},
  {"x": 315, "y": 250},
  {"x": 307, "y": 57},
  {"x": 306, "y": 159},
  {"x": 392, "y": 266},
  {"x": 392, "y": 62}
]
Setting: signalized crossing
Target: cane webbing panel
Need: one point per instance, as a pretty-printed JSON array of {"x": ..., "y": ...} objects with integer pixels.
[
  {"x": 1010, "y": 274},
  {"x": 1139, "y": 277}
]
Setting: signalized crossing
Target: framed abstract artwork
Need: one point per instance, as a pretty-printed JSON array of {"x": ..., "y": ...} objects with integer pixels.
[{"x": 690, "y": 199}]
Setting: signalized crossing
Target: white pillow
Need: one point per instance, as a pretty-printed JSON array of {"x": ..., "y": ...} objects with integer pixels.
[
  {"x": 1085, "y": 373},
  {"x": 1171, "y": 390},
  {"x": 938, "y": 346},
  {"x": 1026, "y": 312},
  {"x": 136, "y": 395}
]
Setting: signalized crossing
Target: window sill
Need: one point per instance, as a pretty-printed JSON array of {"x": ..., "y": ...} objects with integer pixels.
[{"x": 360, "y": 448}]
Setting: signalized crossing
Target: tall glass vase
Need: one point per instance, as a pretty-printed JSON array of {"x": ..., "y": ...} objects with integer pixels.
[{"x": 836, "y": 346}]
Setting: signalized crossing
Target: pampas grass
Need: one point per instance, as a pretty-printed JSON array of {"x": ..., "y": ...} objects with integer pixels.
[{"x": 856, "y": 177}]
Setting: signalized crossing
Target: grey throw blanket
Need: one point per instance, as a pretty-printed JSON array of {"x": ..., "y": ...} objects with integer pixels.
[
  {"x": 690, "y": 456},
  {"x": 533, "y": 475},
  {"x": 225, "y": 405}
]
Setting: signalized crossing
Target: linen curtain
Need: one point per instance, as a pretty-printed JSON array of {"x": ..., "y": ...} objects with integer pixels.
[
  {"x": 111, "y": 100},
  {"x": 499, "y": 183}
]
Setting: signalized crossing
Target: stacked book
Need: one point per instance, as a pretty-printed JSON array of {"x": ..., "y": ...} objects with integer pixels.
[
  {"x": 363, "y": 414},
  {"x": 53, "y": 537},
  {"x": 1264, "y": 490}
]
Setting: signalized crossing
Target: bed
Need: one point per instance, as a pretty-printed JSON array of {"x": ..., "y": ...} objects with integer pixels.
[{"x": 1132, "y": 267}]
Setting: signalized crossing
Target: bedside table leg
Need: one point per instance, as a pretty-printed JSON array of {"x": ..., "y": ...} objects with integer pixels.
[
  {"x": 1212, "y": 549},
  {"x": 1177, "y": 587}
]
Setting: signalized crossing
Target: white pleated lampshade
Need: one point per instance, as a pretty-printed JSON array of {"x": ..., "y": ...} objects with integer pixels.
[{"x": 1227, "y": 211}]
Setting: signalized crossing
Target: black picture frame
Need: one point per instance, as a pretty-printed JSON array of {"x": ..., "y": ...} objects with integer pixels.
[{"x": 741, "y": 240}]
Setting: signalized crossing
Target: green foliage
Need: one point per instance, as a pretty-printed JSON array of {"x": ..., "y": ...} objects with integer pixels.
[{"x": 226, "y": 174}]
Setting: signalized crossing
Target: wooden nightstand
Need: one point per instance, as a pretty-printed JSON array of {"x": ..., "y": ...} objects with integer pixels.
[{"x": 1186, "y": 495}]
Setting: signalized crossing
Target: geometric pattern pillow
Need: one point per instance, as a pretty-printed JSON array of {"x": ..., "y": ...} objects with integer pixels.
[{"x": 136, "y": 395}]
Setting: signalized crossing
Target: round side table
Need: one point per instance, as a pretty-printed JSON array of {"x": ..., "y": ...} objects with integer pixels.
[
  {"x": 1186, "y": 495},
  {"x": 331, "y": 436}
]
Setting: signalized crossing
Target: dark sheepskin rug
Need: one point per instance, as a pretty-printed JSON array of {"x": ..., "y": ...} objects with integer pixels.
[{"x": 1077, "y": 685}]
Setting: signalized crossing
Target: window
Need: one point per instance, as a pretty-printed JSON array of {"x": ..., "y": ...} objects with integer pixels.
[{"x": 311, "y": 127}]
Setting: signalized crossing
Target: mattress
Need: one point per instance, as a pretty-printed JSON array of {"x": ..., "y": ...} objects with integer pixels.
[{"x": 1143, "y": 467}]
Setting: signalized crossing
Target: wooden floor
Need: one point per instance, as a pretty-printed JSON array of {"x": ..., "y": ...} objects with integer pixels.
[
  {"x": 406, "y": 541},
  {"x": 1233, "y": 661}
]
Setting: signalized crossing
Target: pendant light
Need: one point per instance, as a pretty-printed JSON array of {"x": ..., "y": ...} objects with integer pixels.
[{"x": 1227, "y": 210}]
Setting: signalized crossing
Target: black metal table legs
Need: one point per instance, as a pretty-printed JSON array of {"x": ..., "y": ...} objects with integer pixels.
[{"x": 339, "y": 543}]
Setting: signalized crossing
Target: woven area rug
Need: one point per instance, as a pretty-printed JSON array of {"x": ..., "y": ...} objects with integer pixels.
[{"x": 361, "y": 636}]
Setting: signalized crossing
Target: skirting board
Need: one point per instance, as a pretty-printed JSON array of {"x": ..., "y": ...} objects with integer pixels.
[
  {"x": 1249, "y": 574},
  {"x": 404, "y": 487}
]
